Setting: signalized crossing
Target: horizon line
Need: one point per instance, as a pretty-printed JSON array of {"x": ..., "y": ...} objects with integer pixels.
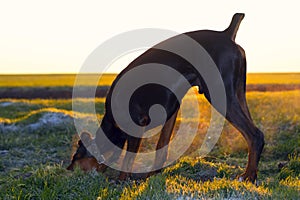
[{"x": 115, "y": 73}]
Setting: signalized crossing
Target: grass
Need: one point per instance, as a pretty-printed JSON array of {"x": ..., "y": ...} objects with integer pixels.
[
  {"x": 67, "y": 80},
  {"x": 16, "y": 109},
  {"x": 54, "y": 182},
  {"x": 33, "y": 161},
  {"x": 37, "y": 137},
  {"x": 51, "y": 80},
  {"x": 273, "y": 78}
]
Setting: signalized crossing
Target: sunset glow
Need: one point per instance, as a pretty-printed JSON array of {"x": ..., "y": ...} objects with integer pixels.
[{"x": 57, "y": 36}]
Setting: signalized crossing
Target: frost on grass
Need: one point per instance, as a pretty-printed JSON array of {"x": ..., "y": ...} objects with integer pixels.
[
  {"x": 51, "y": 119},
  {"x": 5, "y": 104},
  {"x": 40, "y": 137},
  {"x": 8, "y": 128},
  {"x": 47, "y": 119}
]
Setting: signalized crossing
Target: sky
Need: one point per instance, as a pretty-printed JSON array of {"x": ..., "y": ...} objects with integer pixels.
[{"x": 57, "y": 36}]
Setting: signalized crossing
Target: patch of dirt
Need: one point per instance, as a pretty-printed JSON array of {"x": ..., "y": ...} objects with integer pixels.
[
  {"x": 48, "y": 92},
  {"x": 66, "y": 92},
  {"x": 272, "y": 87}
]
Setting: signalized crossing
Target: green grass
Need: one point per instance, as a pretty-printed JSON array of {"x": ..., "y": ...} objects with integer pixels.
[
  {"x": 16, "y": 110},
  {"x": 33, "y": 158},
  {"x": 54, "y": 182}
]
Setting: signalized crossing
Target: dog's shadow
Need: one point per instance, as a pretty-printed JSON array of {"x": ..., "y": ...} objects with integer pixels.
[{"x": 198, "y": 170}]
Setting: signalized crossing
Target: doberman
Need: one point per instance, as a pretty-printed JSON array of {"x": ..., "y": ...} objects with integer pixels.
[{"x": 230, "y": 60}]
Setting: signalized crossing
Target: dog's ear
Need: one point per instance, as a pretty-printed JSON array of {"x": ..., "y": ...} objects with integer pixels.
[
  {"x": 80, "y": 143},
  {"x": 86, "y": 136}
]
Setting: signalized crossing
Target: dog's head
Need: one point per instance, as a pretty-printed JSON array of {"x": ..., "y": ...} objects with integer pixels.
[{"x": 82, "y": 157}]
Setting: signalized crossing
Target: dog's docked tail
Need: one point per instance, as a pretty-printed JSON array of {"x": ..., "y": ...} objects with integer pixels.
[{"x": 234, "y": 25}]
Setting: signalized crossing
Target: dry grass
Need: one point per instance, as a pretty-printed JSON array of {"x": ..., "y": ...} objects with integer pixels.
[
  {"x": 52, "y": 80},
  {"x": 273, "y": 78},
  {"x": 58, "y": 80}
]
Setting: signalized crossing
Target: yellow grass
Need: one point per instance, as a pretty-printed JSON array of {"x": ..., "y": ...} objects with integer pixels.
[
  {"x": 61, "y": 80},
  {"x": 184, "y": 186},
  {"x": 273, "y": 78},
  {"x": 51, "y": 80}
]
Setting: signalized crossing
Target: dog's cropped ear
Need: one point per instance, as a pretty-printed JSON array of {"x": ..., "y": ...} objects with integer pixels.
[
  {"x": 80, "y": 143},
  {"x": 86, "y": 138}
]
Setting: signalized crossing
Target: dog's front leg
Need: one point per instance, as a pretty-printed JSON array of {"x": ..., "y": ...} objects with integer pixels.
[
  {"x": 133, "y": 145},
  {"x": 164, "y": 139}
]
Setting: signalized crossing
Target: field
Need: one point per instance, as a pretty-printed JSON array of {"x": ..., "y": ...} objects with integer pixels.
[
  {"x": 37, "y": 138},
  {"x": 56, "y": 80}
]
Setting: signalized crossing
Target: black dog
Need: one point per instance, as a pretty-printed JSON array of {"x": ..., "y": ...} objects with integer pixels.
[{"x": 231, "y": 62}]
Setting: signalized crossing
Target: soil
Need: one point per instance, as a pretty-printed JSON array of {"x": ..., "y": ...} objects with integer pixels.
[
  {"x": 48, "y": 92},
  {"x": 66, "y": 92}
]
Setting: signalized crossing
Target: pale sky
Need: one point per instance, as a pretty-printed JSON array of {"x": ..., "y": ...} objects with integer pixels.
[{"x": 57, "y": 36}]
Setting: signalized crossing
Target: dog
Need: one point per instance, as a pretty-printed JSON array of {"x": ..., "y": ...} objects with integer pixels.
[{"x": 230, "y": 60}]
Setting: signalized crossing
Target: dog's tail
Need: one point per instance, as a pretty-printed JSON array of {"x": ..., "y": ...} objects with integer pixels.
[{"x": 234, "y": 25}]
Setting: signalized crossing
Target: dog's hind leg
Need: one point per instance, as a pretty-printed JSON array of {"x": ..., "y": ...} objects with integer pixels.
[
  {"x": 164, "y": 139},
  {"x": 241, "y": 85},
  {"x": 239, "y": 116},
  {"x": 254, "y": 137}
]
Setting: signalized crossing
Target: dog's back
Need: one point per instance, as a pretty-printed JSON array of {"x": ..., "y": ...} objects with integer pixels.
[{"x": 214, "y": 42}]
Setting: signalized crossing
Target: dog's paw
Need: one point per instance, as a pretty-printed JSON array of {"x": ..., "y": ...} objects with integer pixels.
[{"x": 248, "y": 177}]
